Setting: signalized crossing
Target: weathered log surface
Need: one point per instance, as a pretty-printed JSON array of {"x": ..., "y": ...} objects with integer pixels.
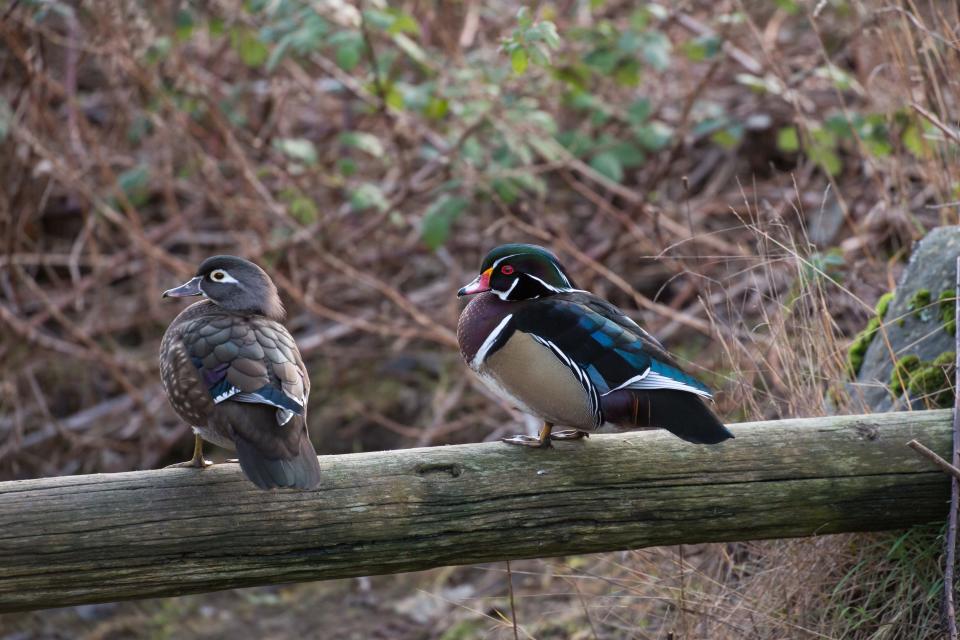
[{"x": 108, "y": 537}]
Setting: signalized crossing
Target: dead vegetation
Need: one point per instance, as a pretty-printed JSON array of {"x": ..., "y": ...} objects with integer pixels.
[{"x": 749, "y": 177}]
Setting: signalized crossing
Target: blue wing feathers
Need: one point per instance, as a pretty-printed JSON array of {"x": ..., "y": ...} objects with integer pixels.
[
  {"x": 676, "y": 374},
  {"x": 278, "y": 398},
  {"x": 604, "y": 349},
  {"x": 221, "y": 389}
]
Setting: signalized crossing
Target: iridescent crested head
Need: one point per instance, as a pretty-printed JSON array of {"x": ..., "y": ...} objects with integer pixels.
[{"x": 520, "y": 272}]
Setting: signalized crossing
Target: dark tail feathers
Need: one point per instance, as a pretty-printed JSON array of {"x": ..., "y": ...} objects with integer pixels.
[
  {"x": 299, "y": 472},
  {"x": 683, "y": 414}
]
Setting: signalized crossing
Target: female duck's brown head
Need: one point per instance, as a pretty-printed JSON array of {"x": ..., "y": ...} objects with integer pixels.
[
  {"x": 235, "y": 285},
  {"x": 520, "y": 272}
]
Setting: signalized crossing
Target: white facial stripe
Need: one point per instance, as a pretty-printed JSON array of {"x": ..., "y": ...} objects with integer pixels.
[
  {"x": 226, "y": 279},
  {"x": 506, "y": 294},
  {"x": 488, "y": 343},
  {"x": 549, "y": 287},
  {"x": 499, "y": 260},
  {"x": 560, "y": 273}
]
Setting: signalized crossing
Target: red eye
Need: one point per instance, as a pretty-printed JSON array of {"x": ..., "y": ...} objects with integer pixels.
[{"x": 506, "y": 269}]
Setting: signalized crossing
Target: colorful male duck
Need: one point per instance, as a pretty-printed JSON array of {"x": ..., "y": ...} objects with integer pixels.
[
  {"x": 570, "y": 358},
  {"x": 234, "y": 374}
]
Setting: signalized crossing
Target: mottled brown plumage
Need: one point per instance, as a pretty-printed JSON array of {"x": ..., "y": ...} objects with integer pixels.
[{"x": 234, "y": 373}]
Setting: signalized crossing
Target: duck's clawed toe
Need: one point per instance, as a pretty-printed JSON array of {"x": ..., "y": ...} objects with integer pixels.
[
  {"x": 528, "y": 441},
  {"x": 193, "y": 463}
]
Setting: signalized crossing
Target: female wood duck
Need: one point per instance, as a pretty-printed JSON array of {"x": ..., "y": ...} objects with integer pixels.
[
  {"x": 570, "y": 358},
  {"x": 234, "y": 373}
]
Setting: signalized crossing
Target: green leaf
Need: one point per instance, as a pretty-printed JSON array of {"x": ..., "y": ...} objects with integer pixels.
[
  {"x": 304, "y": 209},
  {"x": 158, "y": 50},
  {"x": 627, "y": 74},
  {"x": 826, "y": 158},
  {"x": 366, "y": 196},
  {"x": 402, "y": 23},
  {"x": 787, "y": 140},
  {"x": 299, "y": 149},
  {"x": 639, "y": 110},
  {"x": 519, "y": 61},
  {"x": 702, "y": 48},
  {"x": 6, "y": 119},
  {"x": 366, "y": 142},
  {"x": 728, "y": 137},
  {"x": 395, "y": 98},
  {"x": 523, "y": 18},
  {"x": 789, "y": 6},
  {"x": 134, "y": 183},
  {"x": 378, "y": 19},
  {"x": 654, "y": 135},
  {"x": 655, "y": 49},
  {"x": 346, "y": 167},
  {"x": 575, "y": 142},
  {"x": 184, "y": 24},
  {"x": 912, "y": 138},
  {"x": 252, "y": 51},
  {"x": 347, "y": 49},
  {"x": 546, "y": 32},
  {"x": 628, "y": 154},
  {"x": 507, "y": 189},
  {"x": 436, "y": 108},
  {"x": 439, "y": 218},
  {"x": 603, "y": 60},
  {"x": 609, "y": 165},
  {"x": 840, "y": 78},
  {"x": 765, "y": 84},
  {"x": 215, "y": 27}
]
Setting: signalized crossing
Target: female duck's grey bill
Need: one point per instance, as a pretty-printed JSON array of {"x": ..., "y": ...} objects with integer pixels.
[
  {"x": 479, "y": 284},
  {"x": 187, "y": 289}
]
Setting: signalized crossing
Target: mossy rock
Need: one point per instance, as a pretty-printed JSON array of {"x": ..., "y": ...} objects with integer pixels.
[
  {"x": 858, "y": 349},
  {"x": 900, "y": 376},
  {"x": 919, "y": 304},
  {"x": 918, "y": 321},
  {"x": 948, "y": 315}
]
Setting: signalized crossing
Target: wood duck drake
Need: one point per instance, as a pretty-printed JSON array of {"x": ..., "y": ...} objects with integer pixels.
[
  {"x": 570, "y": 358},
  {"x": 234, "y": 373}
]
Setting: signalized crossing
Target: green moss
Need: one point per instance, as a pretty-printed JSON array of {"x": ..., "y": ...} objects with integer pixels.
[
  {"x": 900, "y": 375},
  {"x": 948, "y": 317},
  {"x": 883, "y": 303},
  {"x": 858, "y": 349},
  {"x": 919, "y": 303},
  {"x": 933, "y": 381}
]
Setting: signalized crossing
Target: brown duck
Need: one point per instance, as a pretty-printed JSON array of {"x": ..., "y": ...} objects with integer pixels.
[{"x": 234, "y": 374}]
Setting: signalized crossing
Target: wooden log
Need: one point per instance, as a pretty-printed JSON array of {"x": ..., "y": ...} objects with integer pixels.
[{"x": 109, "y": 537}]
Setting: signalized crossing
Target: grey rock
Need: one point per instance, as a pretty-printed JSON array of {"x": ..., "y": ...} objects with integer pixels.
[{"x": 932, "y": 266}]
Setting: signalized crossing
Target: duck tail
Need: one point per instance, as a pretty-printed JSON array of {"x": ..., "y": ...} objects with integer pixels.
[{"x": 682, "y": 413}]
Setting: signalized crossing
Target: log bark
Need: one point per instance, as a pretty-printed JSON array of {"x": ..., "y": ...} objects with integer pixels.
[{"x": 99, "y": 538}]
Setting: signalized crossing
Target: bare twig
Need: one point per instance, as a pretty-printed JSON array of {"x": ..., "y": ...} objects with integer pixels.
[{"x": 934, "y": 458}]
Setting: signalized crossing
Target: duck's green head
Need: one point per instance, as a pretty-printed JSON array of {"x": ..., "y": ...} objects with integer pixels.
[{"x": 520, "y": 272}]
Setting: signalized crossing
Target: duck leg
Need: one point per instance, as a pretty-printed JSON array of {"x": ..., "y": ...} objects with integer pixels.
[
  {"x": 569, "y": 434},
  {"x": 542, "y": 441},
  {"x": 197, "y": 461}
]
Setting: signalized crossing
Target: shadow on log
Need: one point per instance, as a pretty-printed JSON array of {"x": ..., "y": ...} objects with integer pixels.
[{"x": 99, "y": 538}]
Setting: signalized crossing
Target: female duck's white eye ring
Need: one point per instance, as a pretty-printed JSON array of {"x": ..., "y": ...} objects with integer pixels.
[{"x": 218, "y": 275}]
